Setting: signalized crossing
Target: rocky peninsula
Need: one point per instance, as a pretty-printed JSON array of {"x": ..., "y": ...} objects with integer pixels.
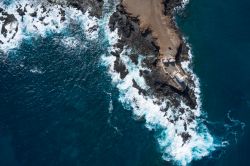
[
  {"x": 147, "y": 26},
  {"x": 149, "y": 29}
]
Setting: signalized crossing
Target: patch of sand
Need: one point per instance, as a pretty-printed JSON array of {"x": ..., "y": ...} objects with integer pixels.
[{"x": 151, "y": 16}]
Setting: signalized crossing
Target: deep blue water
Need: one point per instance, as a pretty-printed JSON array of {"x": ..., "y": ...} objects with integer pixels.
[
  {"x": 218, "y": 32},
  {"x": 62, "y": 116}
]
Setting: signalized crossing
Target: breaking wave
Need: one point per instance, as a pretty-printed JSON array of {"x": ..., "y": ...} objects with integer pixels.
[
  {"x": 160, "y": 114},
  {"x": 168, "y": 134},
  {"x": 23, "y": 20},
  {"x": 40, "y": 20}
]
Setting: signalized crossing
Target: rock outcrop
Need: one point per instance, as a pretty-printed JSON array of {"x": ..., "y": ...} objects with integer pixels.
[{"x": 150, "y": 31}]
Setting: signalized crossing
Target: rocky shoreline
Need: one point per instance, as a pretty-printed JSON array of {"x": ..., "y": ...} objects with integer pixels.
[
  {"x": 49, "y": 15},
  {"x": 142, "y": 42},
  {"x": 94, "y": 6}
]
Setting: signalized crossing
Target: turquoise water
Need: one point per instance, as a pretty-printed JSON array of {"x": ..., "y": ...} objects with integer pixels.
[{"x": 59, "y": 107}]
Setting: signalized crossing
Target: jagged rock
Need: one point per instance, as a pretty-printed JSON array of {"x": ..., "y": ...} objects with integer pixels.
[{"x": 143, "y": 43}]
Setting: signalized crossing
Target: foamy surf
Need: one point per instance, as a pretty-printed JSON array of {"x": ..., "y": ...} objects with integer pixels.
[
  {"x": 30, "y": 19},
  {"x": 150, "y": 108},
  {"x": 160, "y": 114}
]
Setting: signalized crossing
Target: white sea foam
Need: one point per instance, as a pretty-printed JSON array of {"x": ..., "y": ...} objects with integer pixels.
[
  {"x": 184, "y": 3},
  {"x": 161, "y": 115},
  {"x": 170, "y": 140},
  {"x": 182, "y": 6},
  {"x": 186, "y": 65},
  {"x": 44, "y": 23},
  {"x": 35, "y": 70},
  {"x": 71, "y": 42}
]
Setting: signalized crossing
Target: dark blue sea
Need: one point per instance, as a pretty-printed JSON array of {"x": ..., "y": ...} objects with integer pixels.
[
  {"x": 218, "y": 32},
  {"x": 58, "y": 106}
]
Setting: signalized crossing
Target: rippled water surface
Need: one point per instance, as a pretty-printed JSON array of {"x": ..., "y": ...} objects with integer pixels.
[
  {"x": 219, "y": 36},
  {"x": 59, "y": 105}
]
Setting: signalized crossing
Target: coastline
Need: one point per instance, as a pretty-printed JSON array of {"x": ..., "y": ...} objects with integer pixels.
[
  {"x": 144, "y": 41},
  {"x": 165, "y": 107},
  {"x": 173, "y": 112},
  {"x": 150, "y": 81},
  {"x": 81, "y": 78}
]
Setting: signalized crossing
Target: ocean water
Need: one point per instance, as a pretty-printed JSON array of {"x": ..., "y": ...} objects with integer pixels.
[
  {"x": 218, "y": 32},
  {"x": 61, "y": 103}
]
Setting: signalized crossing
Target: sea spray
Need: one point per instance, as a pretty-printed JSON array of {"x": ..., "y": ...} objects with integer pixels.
[
  {"x": 157, "y": 113},
  {"x": 150, "y": 108},
  {"x": 42, "y": 20}
]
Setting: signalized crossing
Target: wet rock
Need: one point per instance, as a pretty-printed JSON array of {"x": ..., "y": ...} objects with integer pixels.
[
  {"x": 134, "y": 58},
  {"x": 20, "y": 12},
  {"x": 62, "y": 13},
  {"x": 33, "y": 14},
  {"x": 120, "y": 68},
  {"x": 185, "y": 137},
  {"x": 141, "y": 91},
  {"x": 94, "y": 6},
  {"x": 9, "y": 18},
  {"x": 170, "y": 5}
]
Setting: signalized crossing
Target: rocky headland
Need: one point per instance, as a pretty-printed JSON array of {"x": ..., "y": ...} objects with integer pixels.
[{"x": 148, "y": 28}]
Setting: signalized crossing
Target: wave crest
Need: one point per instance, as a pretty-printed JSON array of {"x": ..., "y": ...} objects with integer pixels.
[
  {"x": 24, "y": 19},
  {"x": 159, "y": 116},
  {"x": 180, "y": 132}
]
